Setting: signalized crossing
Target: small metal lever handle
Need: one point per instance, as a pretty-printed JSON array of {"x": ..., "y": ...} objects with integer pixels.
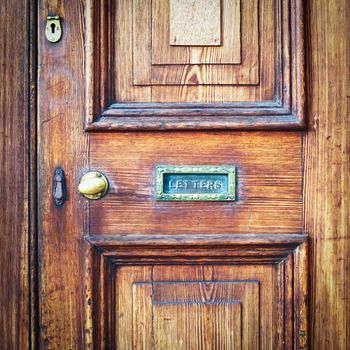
[{"x": 93, "y": 185}]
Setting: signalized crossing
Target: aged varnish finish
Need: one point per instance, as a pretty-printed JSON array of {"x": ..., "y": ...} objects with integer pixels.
[
  {"x": 162, "y": 97},
  {"x": 326, "y": 174},
  {"x": 17, "y": 187},
  {"x": 234, "y": 272},
  {"x": 269, "y": 183}
]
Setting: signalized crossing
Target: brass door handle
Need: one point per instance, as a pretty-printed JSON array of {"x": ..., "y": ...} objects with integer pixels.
[{"x": 93, "y": 185}]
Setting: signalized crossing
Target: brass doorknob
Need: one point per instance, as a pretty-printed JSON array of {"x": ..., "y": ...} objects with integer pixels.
[{"x": 93, "y": 185}]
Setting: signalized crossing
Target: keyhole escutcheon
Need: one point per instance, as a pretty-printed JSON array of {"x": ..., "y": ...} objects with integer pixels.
[{"x": 53, "y": 30}]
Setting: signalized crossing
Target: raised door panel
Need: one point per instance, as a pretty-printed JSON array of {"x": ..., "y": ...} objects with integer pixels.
[
  {"x": 154, "y": 294},
  {"x": 225, "y": 64}
]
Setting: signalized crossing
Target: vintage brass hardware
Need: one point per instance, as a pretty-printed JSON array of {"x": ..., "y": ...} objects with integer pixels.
[
  {"x": 196, "y": 183},
  {"x": 53, "y": 30},
  {"x": 93, "y": 185}
]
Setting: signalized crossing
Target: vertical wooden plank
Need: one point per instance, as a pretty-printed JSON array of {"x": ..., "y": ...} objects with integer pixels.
[
  {"x": 123, "y": 61},
  {"x": 14, "y": 174},
  {"x": 230, "y": 50},
  {"x": 128, "y": 310},
  {"x": 327, "y": 169},
  {"x": 161, "y": 51},
  {"x": 142, "y": 41},
  {"x": 301, "y": 304},
  {"x": 62, "y": 143},
  {"x": 142, "y": 316}
]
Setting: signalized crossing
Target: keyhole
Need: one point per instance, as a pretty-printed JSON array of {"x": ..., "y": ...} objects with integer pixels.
[{"x": 53, "y": 30}]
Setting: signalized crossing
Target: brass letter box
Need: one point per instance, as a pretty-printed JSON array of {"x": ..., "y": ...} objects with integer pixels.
[{"x": 196, "y": 183}]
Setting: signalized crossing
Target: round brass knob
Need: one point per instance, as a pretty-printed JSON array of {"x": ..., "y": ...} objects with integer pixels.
[{"x": 93, "y": 185}]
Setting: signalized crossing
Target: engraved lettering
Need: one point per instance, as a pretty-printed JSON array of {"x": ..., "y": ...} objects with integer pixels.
[
  {"x": 218, "y": 184},
  {"x": 196, "y": 183}
]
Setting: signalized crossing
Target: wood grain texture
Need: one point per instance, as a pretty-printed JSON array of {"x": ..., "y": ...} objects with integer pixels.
[
  {"x": 15, "y": 98},
  {"x": 189, "y": 25},
  {"x": 228, "y": 52},
  {"x": 326, "y": 172},
  {"x": 61, "y": 144},
  {"x": 211, "y": 325},
  {"x": 169, "y": 65},
  {"x": 190, "y": 316},
  {"x": 269, "y": 185}
]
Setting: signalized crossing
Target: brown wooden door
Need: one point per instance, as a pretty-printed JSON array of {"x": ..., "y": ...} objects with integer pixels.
[{"x": 134, "y": 87}]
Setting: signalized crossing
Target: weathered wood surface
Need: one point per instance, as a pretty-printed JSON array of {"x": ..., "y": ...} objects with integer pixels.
[
  {"x": 14, "y": 175},
  {"x": 265, "y": 293},
  {"x": 189, "y": 24},
  {"x": 163, "y": 53},
  {"x": 326, "y": 196},
  {"x": 326, "y": 173},
  {"x": 156, "y": 62},
  {"x": 61, "y": 143},
  {"x": 269, "y": 183}
]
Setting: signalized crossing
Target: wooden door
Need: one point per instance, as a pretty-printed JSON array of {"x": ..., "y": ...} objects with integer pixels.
[{"x": 141, "y": 89}]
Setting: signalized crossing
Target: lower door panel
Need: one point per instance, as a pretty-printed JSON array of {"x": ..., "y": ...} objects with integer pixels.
[{"x": 144, "y": 294}]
